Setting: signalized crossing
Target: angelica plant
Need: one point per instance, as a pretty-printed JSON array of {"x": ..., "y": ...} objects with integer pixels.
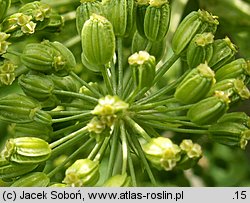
[{"x": 66, "y": 131}]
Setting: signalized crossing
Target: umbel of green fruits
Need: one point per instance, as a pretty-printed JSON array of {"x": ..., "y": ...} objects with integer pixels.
[{"x": 104, "y": 123}]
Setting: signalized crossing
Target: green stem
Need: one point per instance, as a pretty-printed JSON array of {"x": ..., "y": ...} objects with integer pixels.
[
  {"x": 14, "y": 53},
  {"x": 163, "y": 126},
  {"x": 79, "y": 106},
  {"x": 102, "y": 150},
  {"x": 71, "y": 157},
  {"x": 143, "y": 159},
  {"x": 165, "y": 109},
  {"x": 68, "y": 137},
  {"x": 165, "y": 67},
  {"x": 76, "y": 95},
  {"x": 95, "y": 150},
  {"x": 124, "y": 147},
  {"x": 149, "y": 46},
  {"x": 21, "y": 70},
  {"x": 153, "y": 105},
  {"x": 190, "y": 124},
  {"x": 113, "y": 77},
  {"x": 70, "y": 143},
  {"x": 150, "y": 130},
  {"x": 70, "y": 118},
  {"x": 132, "y": 95},
  {"x": 72, "y": 41},
  {"x": 161, "y": 92},
  {"x": 113, "y": 152},
  {"x": 120, "y": 66},
  {"x": 137, "y": 128},
  {"x": 65, "y": 113},
  {"x": 161, "y": 117},
  {"x": 141, "y": 93},
  {"x": 69, "y": 16},
  {"x": 131, "y": 169},
  {"x": 128, "y": 88},
  {"x": 67, "y": 129},
  {"x": 84, "y": 83},
  {"x": 107, "y": 80}
]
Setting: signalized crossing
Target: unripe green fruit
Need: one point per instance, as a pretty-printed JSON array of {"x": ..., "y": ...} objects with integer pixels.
[
  {"x": 157, "y": 20},
  {"x": 4, "y": 6},
  {"x": 239, "y": 68},
  {"x": 83, "y": 172},
  {"x": 33, "y": 129},
  {"x": 238, "y": 117},
  {"x": 26, "y": 150},
  {"x": 39, "y": 87},
  {"x": 195, "y": 85},
  {"x": 162, "y": 153},
  {"x": 194, "y": 23},
  {"x": 223, "y": 52},
  {"x": 200, "y": 49},
  {"x": 209, "y": 110},
  {"x": 48, "y": 57},
  {"x": 17, "y": 108},
  {"x": 35, "y": 179},
  {"x": 85, "y": 10},
  {"x": 230, "y": 133},
  {"x": 38, "y": 57},
  {"x": 13, "y": 170},
  {"x": 140, "y": 16},
  {"x": 121, "y": 15},
  {"x": 97, "y": 36}
]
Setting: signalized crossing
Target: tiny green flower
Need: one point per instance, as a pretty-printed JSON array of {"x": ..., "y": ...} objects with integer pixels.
[
  {"x": 143, "y": 2},
  {"x": 157, "y": 3},
  {"x": 193, "y": 150},
  {"x": 83, "y": 172},
  {"x": 143, "y": 68},
  {"x": 162, "y": 153},
  {"x": 29, "y": 28},
  {"x": 190, "y": 155},
  {"x": 110, "y": 105},
  {"x": 23, "y": 19},
  {"x": 7, "y": 73},
  {"x": 3, "y": 43},
  {"x": 96, "y": 125},
  {"x": 3, "y": 36}
]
